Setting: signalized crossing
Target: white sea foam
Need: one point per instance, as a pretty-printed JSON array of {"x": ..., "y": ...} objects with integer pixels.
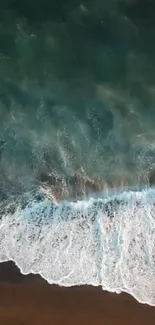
[{"x": 109, "y": 241}]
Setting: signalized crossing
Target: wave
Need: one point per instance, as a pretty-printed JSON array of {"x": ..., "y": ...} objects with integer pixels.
[{"x": 107, "y": 241}]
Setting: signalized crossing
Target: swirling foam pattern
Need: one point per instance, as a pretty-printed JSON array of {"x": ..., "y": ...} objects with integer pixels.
[{"x": 107, "y": 241}]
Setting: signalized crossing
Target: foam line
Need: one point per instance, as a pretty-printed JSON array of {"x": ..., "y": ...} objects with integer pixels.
[{"x": 107, "y": 241}]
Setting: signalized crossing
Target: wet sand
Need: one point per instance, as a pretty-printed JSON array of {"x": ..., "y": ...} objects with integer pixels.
[{"x": 29, "y": 300}]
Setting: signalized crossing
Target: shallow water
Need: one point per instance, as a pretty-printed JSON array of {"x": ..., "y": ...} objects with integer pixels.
[
  {"x": 77, "y": 94},
  {"x": 106, "y": 242}
]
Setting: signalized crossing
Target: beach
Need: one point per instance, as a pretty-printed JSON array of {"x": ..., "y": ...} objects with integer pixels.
[{"x": 29, "y": 300}]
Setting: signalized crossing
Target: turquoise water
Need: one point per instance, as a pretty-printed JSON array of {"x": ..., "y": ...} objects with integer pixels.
[
  {"x": 76, "y": 90},
  {"x": 77, "y": 121}
]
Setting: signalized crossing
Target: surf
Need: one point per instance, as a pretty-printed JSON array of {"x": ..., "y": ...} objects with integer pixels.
[{"x": 103, "y": 241}]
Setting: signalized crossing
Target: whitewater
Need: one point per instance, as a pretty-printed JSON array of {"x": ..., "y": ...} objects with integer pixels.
[{"x": 107, "y": 241}]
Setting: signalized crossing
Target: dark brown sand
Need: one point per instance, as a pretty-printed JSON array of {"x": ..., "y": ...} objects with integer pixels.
[{"x": 29, "y": 300}]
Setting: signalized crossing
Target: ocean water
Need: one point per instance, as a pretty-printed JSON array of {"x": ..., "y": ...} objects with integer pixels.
[{"x": 77, "y": 142}]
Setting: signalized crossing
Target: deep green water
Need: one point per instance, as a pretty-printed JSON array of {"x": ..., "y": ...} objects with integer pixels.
[{"x": 77, "y": 90}]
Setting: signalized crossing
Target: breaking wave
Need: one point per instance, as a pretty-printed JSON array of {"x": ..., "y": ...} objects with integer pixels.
[{"x": 107, "y": 241}]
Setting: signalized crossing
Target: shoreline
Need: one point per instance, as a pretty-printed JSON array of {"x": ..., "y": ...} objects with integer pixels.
[
  {"x": 29, "y": 299},
  {"x": 26, "y": 267}
]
